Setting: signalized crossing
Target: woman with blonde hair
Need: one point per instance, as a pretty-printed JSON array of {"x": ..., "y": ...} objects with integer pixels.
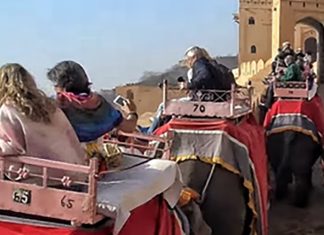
[
  {"x": 227, "y": 73},
  {"x": 206, "y": 55},
  {"x": 30, "y": 122}
]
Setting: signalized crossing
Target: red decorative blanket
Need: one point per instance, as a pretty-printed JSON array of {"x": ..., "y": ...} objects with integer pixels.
[
  {"x": 302, "y": 116},
  {"x": 247, "y": 133},
  {"x": 153, "y": 217}
]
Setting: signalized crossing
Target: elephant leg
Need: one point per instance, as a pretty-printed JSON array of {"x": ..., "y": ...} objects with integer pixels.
[
  {"x": 305, "y": 153},
  {"x": 225, "y": 208},
  {"x": 283, "y": 178},
  {"x": 302, "y": 189},
  {"x": 282, "y": 161}
]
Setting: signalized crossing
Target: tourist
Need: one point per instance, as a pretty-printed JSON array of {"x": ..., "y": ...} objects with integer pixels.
[
  {"x": 299, "y": 58},
  {"x": 89, "y": 113},
  {"x": 287, "y": 50},
  {"x": 293, "y": 72},
  {"x": 299, "y": 54},
  {"x": 308, "y": 57},
  {"x": 204, "y": 75},
  {"x": 226, "y": 72},
  {"x": 278, "y": 62},
  {"x": 30, "y": 122}
]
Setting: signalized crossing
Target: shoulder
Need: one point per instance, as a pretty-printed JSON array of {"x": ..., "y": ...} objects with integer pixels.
[
  {"x": 10, "y": 117},
  {"x": 9, "y": 111},
  {"x": 101, "y": 98},
  {"x": 201, "y": 65}
]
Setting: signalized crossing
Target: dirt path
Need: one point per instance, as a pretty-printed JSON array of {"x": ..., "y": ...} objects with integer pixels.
[{"x": 287, "y": 220}]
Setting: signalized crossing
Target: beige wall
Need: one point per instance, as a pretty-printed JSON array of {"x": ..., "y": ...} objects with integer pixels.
[
  {"x": 277, "y": 21},
  {"x": 287, "y": 14},
  {"x": 146, "y": 98},
  {"x": 258, "y": 34}
]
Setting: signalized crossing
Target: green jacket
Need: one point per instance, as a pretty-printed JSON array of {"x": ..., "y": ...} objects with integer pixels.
[{"x": 293, "y": 73}]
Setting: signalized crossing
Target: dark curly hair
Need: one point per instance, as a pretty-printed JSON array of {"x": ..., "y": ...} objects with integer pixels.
[{"x": 70, "y": 76}]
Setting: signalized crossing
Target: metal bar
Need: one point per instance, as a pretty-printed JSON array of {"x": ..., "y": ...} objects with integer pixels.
[
  {"x": 48, "y": 178},
  {"x": 45, "y": 177},
  {"x": 165, "y": 93},
  {"x": 145, "y": 147},
  {"x": 141, "y": 136},
  {"x": 47, "y": 163},
  {"x": 2, "y": 169},
  {"x": 232, "y": 99}
]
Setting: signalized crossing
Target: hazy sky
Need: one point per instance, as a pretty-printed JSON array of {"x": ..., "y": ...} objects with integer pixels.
[{"x": 115, "y": 40}]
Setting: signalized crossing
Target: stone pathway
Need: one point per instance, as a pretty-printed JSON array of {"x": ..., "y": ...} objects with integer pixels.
[{"x": 288, "y": 220}]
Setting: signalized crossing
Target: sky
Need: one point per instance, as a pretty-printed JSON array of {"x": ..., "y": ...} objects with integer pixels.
[{"x": 115, "y": 40}]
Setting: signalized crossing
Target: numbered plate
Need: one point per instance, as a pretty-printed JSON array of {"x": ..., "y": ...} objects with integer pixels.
[
  {"x": 198, "y": 109},
  {"x": 22, "y": 196},
  {"x": 67, "y": 202}
]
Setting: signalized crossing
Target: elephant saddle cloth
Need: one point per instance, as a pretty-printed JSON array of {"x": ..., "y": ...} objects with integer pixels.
[
  {"x": 302, "y": 116},
  {"x": 237, "y": 147},
  {"x": 153, "y": 217}
]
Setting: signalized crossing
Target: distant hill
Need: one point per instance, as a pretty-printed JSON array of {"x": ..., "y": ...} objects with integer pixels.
[
  {"x": 171, "y": 75},
  {"x": 109, "y": 95},
  {"x": 230, "y": 62},
  {"x": 147, "y": 96}
]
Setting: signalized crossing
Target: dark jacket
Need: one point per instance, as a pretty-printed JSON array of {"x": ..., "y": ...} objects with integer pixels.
[
  {"x": 207, "y": 77},
  {"x": 227, "y": 73}
]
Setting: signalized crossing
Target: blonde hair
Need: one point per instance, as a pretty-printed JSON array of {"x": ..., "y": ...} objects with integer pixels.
[
  {"x": 18, "y": 87},
  {"x": 206, "y": 55},
  {"x": 194, "y": 51}
]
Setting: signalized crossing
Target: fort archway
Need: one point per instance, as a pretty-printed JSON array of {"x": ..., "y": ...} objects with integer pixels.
[{"x": 287, "y": 14}]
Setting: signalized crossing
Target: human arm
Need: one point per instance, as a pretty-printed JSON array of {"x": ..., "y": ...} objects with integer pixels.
[{"x": 129, "y": 122}]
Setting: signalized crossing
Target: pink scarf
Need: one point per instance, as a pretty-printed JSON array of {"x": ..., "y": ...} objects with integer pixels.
[{"x": 83, "y": 100}]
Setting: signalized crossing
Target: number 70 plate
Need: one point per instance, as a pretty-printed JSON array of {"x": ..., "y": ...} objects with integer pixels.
[{"x": 22, "y": 196}]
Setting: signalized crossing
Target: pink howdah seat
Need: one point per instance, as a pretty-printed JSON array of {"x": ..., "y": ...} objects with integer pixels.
[
  {"x": 234, "y": 103},
  {"x": 38, "y": 194},
  {"x": 291, "y": 90},
  {"x": 139, "y": 145},
  {"x": 111, "y": 194}
]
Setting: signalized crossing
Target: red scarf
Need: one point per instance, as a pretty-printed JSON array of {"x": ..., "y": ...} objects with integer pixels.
[{"x": 87, "y": 101}]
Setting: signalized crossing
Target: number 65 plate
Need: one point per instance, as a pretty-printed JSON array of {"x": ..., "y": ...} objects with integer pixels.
[{"x": 22, "y": 196}]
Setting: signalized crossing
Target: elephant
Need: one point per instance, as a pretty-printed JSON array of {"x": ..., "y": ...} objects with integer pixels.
[
  {"x": 216, "y": 166},
  {"x": 292, "y": 155},
  {"x": 224, "y": 208}
]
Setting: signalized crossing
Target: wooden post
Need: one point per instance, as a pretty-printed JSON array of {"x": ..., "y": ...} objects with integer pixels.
[
  {"x": 232, "y": 100},
  {"x": 165, "y": 93},
  {"x": 2, "y": 168},
  {"x": 45, "y": 177},
  {"x": 250, "y": 90},
  {"x": 92, "y": 188}
]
